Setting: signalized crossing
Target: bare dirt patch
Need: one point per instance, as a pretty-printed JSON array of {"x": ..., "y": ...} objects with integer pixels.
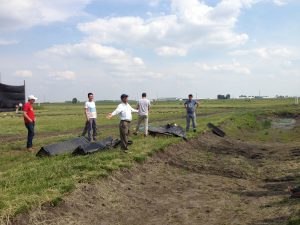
[{"x": 208, "y": 180}]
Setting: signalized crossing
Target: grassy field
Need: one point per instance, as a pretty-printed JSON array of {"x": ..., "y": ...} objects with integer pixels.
[{"x": 27, "y": 181}]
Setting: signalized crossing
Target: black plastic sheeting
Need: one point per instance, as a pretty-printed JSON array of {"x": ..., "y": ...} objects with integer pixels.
[
  {"x": 10, "y": 96},
  {"x": 93, "y": 147},
  {"x": 169, "y": 129},
  {"x": 216, "y": 130},
  {"x": 62, "y": 147}
]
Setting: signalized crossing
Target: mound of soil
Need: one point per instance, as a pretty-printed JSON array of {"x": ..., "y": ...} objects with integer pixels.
[{"x": 207, "y": 180}]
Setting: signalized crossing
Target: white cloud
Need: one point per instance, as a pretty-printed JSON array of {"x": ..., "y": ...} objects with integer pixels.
[
  {"x": 171, "y": 51},
  {"x": 234, "y": 67},
  {"x": 266, "y": 53},
  {"x": 94, "y": 51},
  {"x": 15, "y": 14},
  {"x": 63, "y": 75},
  {"x": 23, "y": 73},
  {"x": 8, "y": 42},
  {"x": 280, "y": 2},
  {"x": 190, "y": 24}
]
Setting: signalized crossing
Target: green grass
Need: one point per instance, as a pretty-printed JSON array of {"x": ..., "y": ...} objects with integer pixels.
[{"x": 27, "y": 181}]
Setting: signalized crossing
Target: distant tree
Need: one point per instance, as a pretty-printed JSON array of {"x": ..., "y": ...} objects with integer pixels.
[
  {"x": 227, "y": 96},
  {"x": 74, "y": 100},
  {"x": 221, "y": 97}
]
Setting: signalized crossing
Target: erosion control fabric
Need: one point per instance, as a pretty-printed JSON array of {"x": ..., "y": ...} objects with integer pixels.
[
  {"x": 93, "y": 147},
  {"x": 62, "y": 147},
  {"x": 169, "y": 129},
  {"x": 216, "y": 130},
  {"x": 10, "y": 96}
]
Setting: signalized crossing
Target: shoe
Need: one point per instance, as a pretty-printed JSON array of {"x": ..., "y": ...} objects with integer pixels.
[
  {"x": 129, "y": 142},
  {"x": 194, "y": 130},
  {"x": 124, "y": 150},
  {"x": 30, "y": 149}
]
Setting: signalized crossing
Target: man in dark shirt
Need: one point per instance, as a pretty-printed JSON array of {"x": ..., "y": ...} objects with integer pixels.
[{"x": 191, "y": 106}]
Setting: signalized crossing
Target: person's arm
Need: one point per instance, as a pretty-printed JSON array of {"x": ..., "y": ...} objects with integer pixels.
[
  {"x": 116, "y": 112},
  {"x": 86, "y": 112},
  {"x": 26, "y": 116},
  {"x": 185, "y": 105},
  {"x": 133, "y": 110},
  {"x": 137, "y": 106}
]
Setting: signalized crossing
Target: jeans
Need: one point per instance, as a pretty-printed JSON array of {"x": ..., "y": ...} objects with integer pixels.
[
  {"x": 92, "y": 126},
  {"x": 30, "y": 128},
  {"x": 189, "y": 117},
  {"x": 140, "y": 120}
]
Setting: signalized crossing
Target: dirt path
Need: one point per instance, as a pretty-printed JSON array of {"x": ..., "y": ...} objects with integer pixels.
[{"x": 208, "y": 180}]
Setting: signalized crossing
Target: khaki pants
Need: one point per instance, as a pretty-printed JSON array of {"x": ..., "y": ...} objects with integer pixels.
[
  {"x": 140, "y": 120},
  {"x": 124, "y": 127}
]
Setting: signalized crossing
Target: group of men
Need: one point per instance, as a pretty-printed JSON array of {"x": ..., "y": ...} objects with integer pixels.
[{"x": 123, "y": 110}]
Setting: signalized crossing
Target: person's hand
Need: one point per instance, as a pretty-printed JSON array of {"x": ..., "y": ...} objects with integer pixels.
[{"x": 109, "y": 116}]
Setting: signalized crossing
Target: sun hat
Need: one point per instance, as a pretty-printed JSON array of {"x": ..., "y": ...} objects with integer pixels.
[{"x": 32, "y": 97}]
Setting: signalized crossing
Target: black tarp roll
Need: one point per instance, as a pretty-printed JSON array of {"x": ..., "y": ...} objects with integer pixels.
[
  {"x": 216, "y": 130},
  {"x": 169, "y": 129},
  {"x": 93, "y": 147},
  {"x": 10, "y": 96},
  {"x": 62, "y": 147}
]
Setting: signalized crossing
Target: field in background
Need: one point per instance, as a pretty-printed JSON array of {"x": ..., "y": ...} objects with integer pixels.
[{"x": 27, "y": 181}]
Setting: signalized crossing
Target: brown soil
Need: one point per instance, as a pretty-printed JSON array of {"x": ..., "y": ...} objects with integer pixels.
[{"x": 208, "y": 180}]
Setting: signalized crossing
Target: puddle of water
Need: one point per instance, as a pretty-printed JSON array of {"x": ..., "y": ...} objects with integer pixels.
[{"x": 285, "y": 123}]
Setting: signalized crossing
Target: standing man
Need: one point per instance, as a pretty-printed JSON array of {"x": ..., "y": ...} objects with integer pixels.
[
  {"x": 143, "y": 107},
  {"x": 29, "y": 119},
  {"x": 124, "y": 111},
  {"x": 91, "y": 116},
  {"x": 191, "y": 106}
]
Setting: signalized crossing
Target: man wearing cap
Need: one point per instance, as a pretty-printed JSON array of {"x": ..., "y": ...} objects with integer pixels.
[
  {"x": 124, "y": 111},
  {"x": 29, "y": 119}
]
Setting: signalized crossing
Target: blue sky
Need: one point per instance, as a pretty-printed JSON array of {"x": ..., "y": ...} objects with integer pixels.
[{"x": 67, "y": 48}]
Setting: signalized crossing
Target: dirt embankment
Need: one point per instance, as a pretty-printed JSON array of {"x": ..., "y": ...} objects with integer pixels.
[{"x": 207, "y": 180}]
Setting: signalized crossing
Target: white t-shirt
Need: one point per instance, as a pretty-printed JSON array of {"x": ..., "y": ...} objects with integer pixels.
[
  {"x": 144, "y": 105},
  {"x": 91, "y": 109}
]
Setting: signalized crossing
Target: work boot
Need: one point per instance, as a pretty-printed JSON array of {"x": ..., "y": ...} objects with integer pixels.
[{"x": 30, "y": 149}]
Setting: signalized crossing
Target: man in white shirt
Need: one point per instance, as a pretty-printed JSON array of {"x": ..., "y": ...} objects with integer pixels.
[
  {"x": 143, "y": 106},
  {"x": 91, "y": 116},
  {"x": 124, "y": 111}
]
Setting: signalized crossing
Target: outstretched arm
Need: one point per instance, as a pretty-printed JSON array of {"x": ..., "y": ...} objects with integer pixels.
[{"x": 117, "y": 111}]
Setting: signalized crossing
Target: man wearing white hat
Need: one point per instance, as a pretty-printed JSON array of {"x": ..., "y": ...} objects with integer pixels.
[{"x": 29, "y": 119}]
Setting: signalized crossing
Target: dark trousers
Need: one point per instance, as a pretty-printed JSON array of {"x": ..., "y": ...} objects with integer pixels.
[
  {"x": 124, "y": 127},
  {"x": 92, "y": 126},
  {"x": 30, "y": 135},
  {"x": 189, "y": 117}
]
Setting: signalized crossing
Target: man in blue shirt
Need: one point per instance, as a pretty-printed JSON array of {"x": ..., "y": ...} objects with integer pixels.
[{"x": 191, "y": 106}]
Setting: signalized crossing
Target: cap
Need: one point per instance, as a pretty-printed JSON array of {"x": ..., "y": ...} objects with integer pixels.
[
  {"x": 30, "y": 97},
  {"x": 124, "y": 96}
]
